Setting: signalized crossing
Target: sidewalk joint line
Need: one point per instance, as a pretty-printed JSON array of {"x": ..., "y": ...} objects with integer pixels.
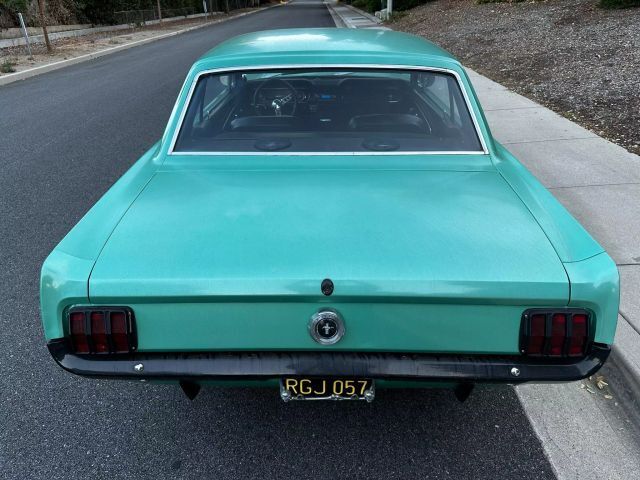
[
  {"x": 510, "y": 108},
  {"x": 594, "y": 136},
  {"x": 594, "y": 185},
  {"x": 624, "y": 316}
]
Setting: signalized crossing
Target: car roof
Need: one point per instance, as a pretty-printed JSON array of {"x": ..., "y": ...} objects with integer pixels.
[{"x": 326, "y": 45}]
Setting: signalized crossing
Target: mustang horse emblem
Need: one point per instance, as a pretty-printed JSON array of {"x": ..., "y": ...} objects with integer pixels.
[{"x": 326, "y": 327}]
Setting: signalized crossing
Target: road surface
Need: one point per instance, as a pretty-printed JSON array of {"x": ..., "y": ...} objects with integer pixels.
[{"x": 65, "y": 137}]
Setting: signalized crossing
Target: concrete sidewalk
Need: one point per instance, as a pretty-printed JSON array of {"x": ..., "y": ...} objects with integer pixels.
[
  {"x": 585, "y": 435},
  {"x": 350, "y": 17}
]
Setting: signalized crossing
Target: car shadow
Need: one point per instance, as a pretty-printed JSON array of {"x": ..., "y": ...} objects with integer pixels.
[{"x": 404, "y": 433}]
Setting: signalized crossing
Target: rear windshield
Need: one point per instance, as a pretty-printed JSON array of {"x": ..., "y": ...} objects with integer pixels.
[{"x": 360, "y": 110}]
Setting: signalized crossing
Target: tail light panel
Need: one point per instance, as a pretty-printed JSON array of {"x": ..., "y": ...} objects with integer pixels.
[
  {"x": 102, "y": 330},
  {"x": 555, "y": 333}
]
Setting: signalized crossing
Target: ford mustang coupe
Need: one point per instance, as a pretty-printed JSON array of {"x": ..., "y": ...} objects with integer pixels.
[{"x": 327, "y": 213}]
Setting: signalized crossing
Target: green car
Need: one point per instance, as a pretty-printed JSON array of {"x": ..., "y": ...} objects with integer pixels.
[{"x": 327, "y": 213}]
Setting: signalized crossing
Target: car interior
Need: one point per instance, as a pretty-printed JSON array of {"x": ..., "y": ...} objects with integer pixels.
[{"x": 328, "y": 111}]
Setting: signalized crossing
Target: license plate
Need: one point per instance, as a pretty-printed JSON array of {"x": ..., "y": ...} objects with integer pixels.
[{"x": 313, "y": 388}]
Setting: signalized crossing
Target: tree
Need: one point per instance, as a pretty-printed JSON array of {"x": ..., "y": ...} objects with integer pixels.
[
  {"x": 159, "y": 11},
  {"x": 43, "y": 24}
]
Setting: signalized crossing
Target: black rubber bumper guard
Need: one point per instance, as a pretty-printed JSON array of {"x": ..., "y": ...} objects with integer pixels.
[{"x": 392, "y": 366}]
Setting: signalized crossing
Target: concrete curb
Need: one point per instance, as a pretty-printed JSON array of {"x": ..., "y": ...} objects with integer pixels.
[
  {"x": 629, "y": 373},
  {"x": 625, "y": 355},
  {"x": 337, "y": 19},
  {"x": 32, "y": 72}
]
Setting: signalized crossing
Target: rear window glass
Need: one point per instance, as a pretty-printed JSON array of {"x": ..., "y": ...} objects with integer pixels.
[{"x": 322, "y": 110}]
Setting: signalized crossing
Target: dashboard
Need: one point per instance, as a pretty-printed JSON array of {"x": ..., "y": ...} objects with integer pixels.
[
  {"x": 315, "y": 95},
  {"x": 306, "y": 92}
]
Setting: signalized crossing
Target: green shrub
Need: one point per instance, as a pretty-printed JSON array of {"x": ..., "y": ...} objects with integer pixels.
[
  {"x": 367, "y": 5},
  {"x": 99, "y": 11},
  {"x": 8, "y": 9},
  {"x": 499, "y": 1},
  {"x": 16, "y": 5},
  {"x": 375, "y": 5},
  {"x": 400, "y": 5},
  {"x": 7, "y": 66},
  {"x": 619, "y": 3}
]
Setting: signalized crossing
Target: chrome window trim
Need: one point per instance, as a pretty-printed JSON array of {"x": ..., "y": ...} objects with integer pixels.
[
  {"x": 321, "y": 154},
  {"x": 183, "y": 112}
]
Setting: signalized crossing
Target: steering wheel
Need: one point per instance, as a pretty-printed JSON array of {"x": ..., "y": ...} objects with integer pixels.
[{"x": 277, "y": 105}]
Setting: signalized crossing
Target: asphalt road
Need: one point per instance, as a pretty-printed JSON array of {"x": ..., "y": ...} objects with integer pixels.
[{"x": 65, "y": 137}]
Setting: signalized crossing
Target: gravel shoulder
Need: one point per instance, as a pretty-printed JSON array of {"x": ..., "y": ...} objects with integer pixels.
[{"x": 569, "y": 55}]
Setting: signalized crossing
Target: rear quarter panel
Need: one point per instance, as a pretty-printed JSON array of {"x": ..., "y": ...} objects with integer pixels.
[
  {"x": 65, "y": 273},
  {"x": 593, "y": 275}
]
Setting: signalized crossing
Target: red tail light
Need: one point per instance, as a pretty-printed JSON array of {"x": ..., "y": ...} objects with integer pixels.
[
  {"x": 77, "y": 328},
  {"x": 102, "y": 330},
  {"x": 99, "y": 333},
  {"x": 119, "y": 332},
  {"x": 548, "y": 333},
  {"x": 578, "y": 337},
  {"x": 558, "y": 334},
  {"x": 536, "y": 337}
]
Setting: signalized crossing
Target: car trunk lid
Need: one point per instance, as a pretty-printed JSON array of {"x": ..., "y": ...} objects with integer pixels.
[{"x": 222, "y": 241}]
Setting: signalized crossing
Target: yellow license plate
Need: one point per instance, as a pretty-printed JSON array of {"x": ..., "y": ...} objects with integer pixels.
[{"x": 314, "y": 388}]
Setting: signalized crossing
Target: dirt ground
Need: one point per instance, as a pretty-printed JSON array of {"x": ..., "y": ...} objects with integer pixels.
[
  {"x": 74, "y": 47},
  {"x": 569, "y": 55}
]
